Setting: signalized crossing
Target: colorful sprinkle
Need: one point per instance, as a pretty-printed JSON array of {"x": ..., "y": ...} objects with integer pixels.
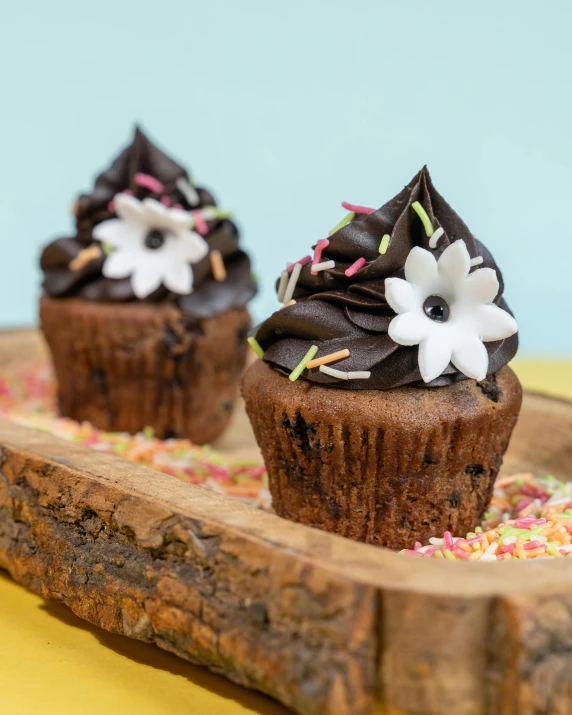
[
  {"x": 324, "y": 266},
  {"x": 356, "y": 375},
  {"x": 322, "y": 243},
  {"x": 255, "y": 345},
  {"x": 282, "y": 285},
  {"x": 166, "y": 201},
  {"x": 217, "y": 265},
  {"x": 434, "y": 240},
  {"x": 420, "y": 211},
  {"x": 200, "y": 222},
  {"x": 342, "y": 223},
  {"x": 189, "y": 192},
  {"x": 85, "y": 256},
  {"x": 355, "y": 267},
  {"x": 384, "y": 245},
  {"x": 357, "y": 209},
  {"x": 291, "y": 287},
  {"x": 302, "y": 262},
  {"x": 477, "y": 261},
  {"x": 301, "y": 366},
  {"x": 325, "y": 359},
  {"x": 149, "y": 182}
]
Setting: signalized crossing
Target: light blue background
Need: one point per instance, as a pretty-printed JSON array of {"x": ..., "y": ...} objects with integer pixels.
[{"x": 288, "y": 108}]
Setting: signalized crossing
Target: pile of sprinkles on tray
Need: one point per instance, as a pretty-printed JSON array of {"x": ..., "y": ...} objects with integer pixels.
[
  {"x": 28, "y": 396},
  {"x": 529, "y": 518}
]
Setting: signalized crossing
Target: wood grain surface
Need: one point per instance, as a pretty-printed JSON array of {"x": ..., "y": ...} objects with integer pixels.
[{"x": 323, "y": 624}]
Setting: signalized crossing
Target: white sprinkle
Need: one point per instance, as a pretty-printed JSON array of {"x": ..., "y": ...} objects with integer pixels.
[
  {"x": 565, "y": 547},
  {"x": 509, "y": 540},
  {"x": 540, "y": 538},
  {"x": 188, "y": 191},
  {"x": 287, "y": 297},
  {"x": 435, "y": 237},
  {"x": 358, "y": 375},
  {"x": 282, "y": 285},
  {"x": 324, "y": 266},
  {"x": 332, "y": 372},
  {"x": 489, "y": 554},
  {"x": 209, "y": 212},
  {"x": 476, "y": 261},
  {"x": 423, "y": 549},
  {"x": 557, "y": 498},
  {"x": 505, "y": 516},
  {"x": 436, "y": 541}
]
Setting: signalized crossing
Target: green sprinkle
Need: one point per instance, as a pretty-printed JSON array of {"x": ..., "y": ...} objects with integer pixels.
[
  {"x": 384, "y": 245},
  {"x": 223, "y": 214},
  {"x": 553, "y": 551},
  {"x": 343, "y": 222},
  {"x": 420, "y": 211},
  {"x": 449, "y": 555},
  {"x": 477, "y": 546},
  {"x": 148, "y": 432},
  {"x": 438, "y": 555},
  {"x": 519, "y": 482},
  {"x": 106, "y": 248},
  {"x": 479, "y": 530},
  {"x": 297, "y": 371},
  {"x": 255, "y": 346},
  {"x": 120, "y": 448}
]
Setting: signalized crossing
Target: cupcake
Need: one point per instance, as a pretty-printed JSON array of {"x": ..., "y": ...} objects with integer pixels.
[
  {"x": 144, "y": 308},
  {"x": 383, "y": 403}
]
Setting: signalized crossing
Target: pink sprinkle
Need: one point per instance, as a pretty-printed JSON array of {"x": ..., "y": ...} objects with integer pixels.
[
  {"x": 357, "y": 209},
  {"x": 322, "y": 243},
  {"x": 508, "y": 549},
  {"x": 418, "y": 545},
  {"x": 474, "y": 540},
  {"x": 528, "y": 523},
  {"x": 128, "y": 192},
  {"x": 448, "y": 538},
  {"x": 563, "y": 552},
  {"x": 523, "y": 504},
  {"x": 533, "y": 545},
  {"x": 430, "y": 552},
  {"x": 355, "y": 267},
  {"x": 165, "y": 200},
  {"x": 148, "y": 182},
  {"x": 200, "y": 223},
  {"x": 411, "y": 552},
  {"x": 302, "y": 262},
  {"x": 179, "y": 206}
]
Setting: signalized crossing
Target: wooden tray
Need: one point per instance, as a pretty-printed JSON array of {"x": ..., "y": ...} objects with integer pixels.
[{"x": 321, "y": 623}]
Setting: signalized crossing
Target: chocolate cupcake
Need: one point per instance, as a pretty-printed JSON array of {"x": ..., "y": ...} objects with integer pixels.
[
  {"x": 144, "y": 308},
  {"x": 383, "y": 404}
]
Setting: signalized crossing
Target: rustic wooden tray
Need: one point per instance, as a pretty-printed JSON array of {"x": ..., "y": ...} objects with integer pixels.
[{"x": 321, "y": 623}]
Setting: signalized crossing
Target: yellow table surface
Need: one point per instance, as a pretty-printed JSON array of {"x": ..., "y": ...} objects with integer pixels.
[{"x": 54, "y": 663}]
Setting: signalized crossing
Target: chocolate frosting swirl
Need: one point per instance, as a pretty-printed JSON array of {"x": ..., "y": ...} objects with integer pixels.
[
  {"x": 335, "y": 312},
  {"x": 209, "y": 297}
]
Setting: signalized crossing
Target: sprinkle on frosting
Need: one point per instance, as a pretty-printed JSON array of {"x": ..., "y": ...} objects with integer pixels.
[
  {"x": 255, "y": 346},
  {"x": 355, "y": 267},
  {"x": 357, "y": 209},
  {"x": 434, "y": 240},
  {"x": 282, "y": 285},
  {"x": 91, "y": 253},
  {"x": 346, "y": 219},
  {"x": 356, "y": 375},
  {"x": 325, "y": 359},
  {"x": 188, "y": 191},
  {"x": 200, "y": 222},
  {"x": 291, "y": 287},
  {"x": 217, "y": 266},
  {"x": 322, "y": 243},
  {"x": 301, "y": 366},
  {"x": 420, "y": 211},
  {"x": 476, "y": 261},
  {"x": 324, "y": 266},
  {"x": 148, "y": 182},
  {"x": 384, "y": 245},
  {"x": 302, "y": 262}
]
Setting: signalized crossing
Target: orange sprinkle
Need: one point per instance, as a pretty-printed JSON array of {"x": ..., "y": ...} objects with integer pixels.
[
  {"x": 535, "y": 552},
  {"x": 91, "y": 253},
  {"x": 519, "y": 551},
  {"x": 75, "y": 208},
  {"x": 292, "y": 302},
  {"x": 325, "y": 359},
  {"x": 504, "y": 481},
  {"x": 217, "y": 265}
]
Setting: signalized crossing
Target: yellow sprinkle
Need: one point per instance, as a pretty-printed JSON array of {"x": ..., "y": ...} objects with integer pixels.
[
  {"x": 384, "y": 245},
  {"x": 420, "y": 211},
  {"x": 449, "y": 555},
  {"x": 255, "y": 346},
  {"x": 343, "y": 222}
]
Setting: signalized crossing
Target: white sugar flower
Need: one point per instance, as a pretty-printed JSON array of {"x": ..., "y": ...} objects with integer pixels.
[
  {"x": 152, "y": 244},
  {"x": 448, "y": 312}
]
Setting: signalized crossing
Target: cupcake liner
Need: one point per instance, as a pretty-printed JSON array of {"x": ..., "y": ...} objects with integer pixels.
[
  {"x": 385, "y": 467},
  {"x": 124, "y": 367}
]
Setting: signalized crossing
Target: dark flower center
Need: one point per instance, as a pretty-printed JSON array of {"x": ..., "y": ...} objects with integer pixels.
[
  {"x": 436, "y": 308},
  {"x": 154, "y": 239}
]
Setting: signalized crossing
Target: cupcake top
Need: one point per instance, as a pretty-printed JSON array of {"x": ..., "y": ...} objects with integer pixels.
[
  {"x": 401, "y": 295},
  {"x": 146, "y": 232}
]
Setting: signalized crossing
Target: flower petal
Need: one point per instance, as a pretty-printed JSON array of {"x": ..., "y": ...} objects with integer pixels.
[
  {"x": 494, "y": 323},
  {"x": 470, "y": 356},
  {"x": 400, "y": 295},
  {"x": 192, "y": 246},
  {"x": 179, "y": 279},
  {"x": 421, "y": 268},
  {"x": 145, "y": 279},
  {"x": 409, "y": 329},
  {"x": 129, "y": 208},
  {"x": 118, "y": 232},
  {"x": 159, "y": 216},
  {"x": 119, "y": 264},
  {"x": 434, "y": 355},
  {"x": 481, "y": 286},
  {"x": 454, "y": 264}
]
